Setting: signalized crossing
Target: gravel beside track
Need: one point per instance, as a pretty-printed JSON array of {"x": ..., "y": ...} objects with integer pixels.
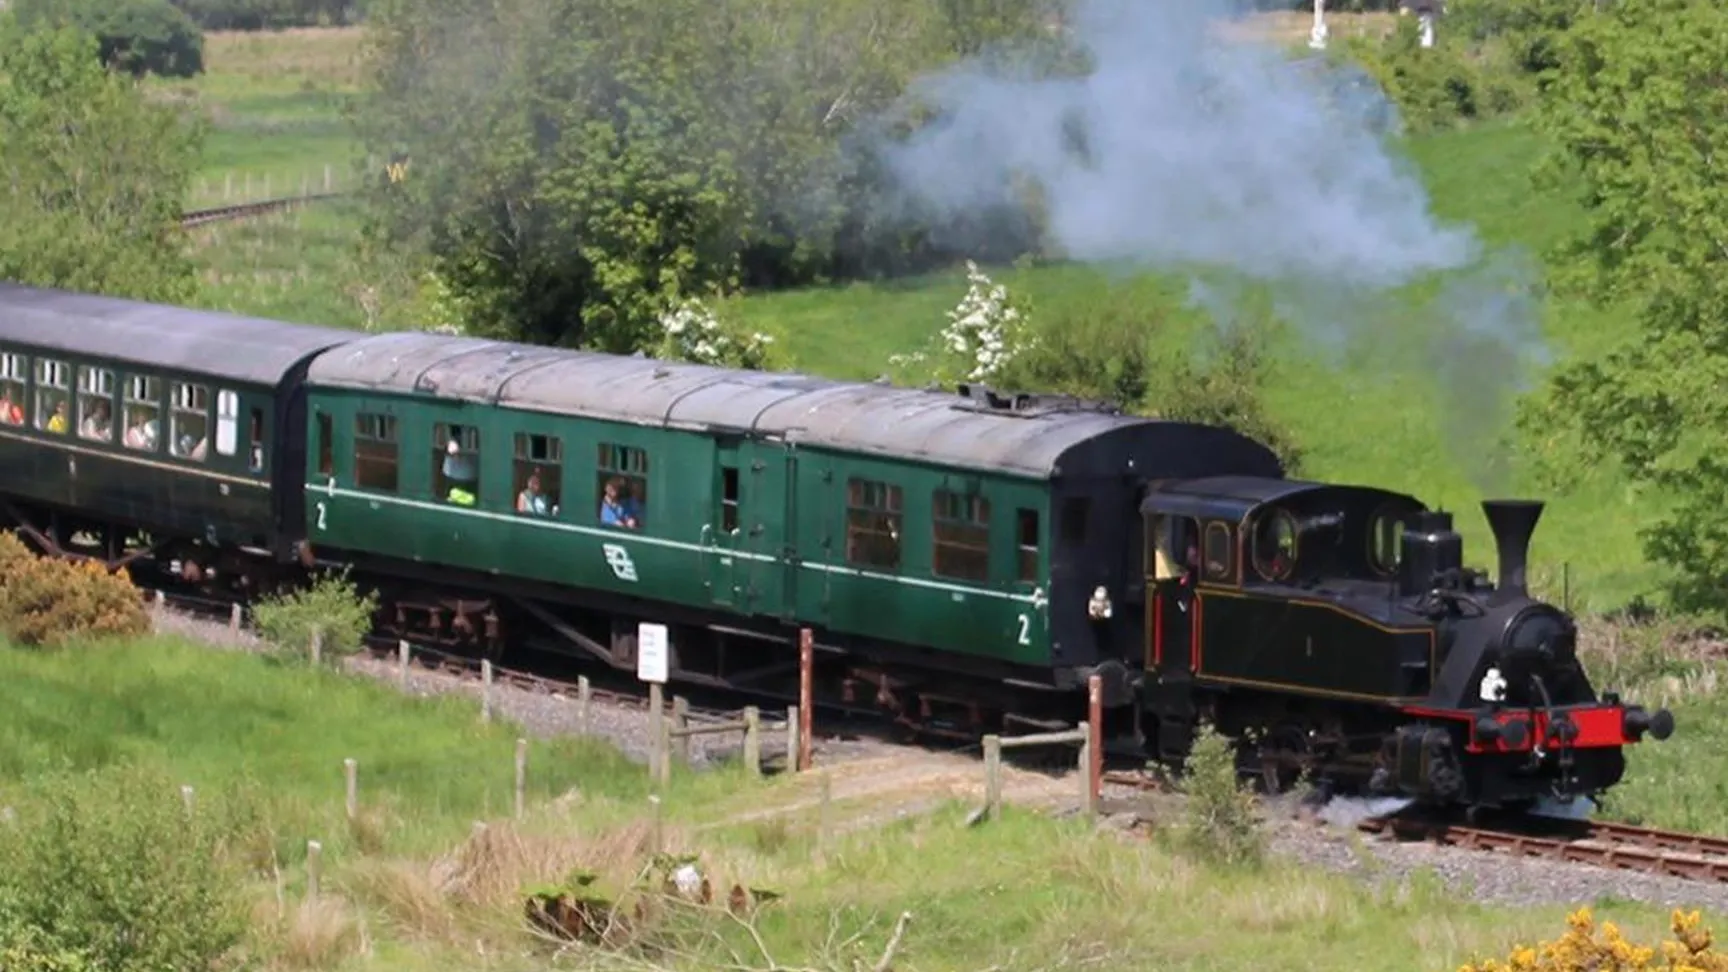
[{"x": 1339, "y": 847}]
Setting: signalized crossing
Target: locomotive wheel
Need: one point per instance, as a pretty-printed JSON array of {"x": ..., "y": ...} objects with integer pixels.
[{"x": 1285, "y": 744}]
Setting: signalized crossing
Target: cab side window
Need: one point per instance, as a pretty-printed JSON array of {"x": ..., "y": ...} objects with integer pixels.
[{"x": 1220, "y": 558}]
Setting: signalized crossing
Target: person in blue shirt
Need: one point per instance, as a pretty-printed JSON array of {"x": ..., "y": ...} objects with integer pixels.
[{"x": 616, "y": 510}]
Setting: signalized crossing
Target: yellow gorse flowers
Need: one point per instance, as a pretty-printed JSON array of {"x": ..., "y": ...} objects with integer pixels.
[{"x": 1587, "y": 947}]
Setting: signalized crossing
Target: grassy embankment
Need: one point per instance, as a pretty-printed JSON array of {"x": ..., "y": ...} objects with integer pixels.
[{"x": 408, "y": 890}]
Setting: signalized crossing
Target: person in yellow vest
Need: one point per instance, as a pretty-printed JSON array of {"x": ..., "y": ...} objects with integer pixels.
[
  {"x": 58, "y": 422},
  {"x": 461, "y": 474}
]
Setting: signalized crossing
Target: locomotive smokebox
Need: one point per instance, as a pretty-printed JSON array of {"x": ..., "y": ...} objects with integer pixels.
[
  {"x": 1429, "y": 549},
  {"x": 1513, "y": 523}
]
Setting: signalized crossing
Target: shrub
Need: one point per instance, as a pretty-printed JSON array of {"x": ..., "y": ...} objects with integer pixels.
[
  {"x": 136, "y": 36},
  {"x": 1220, "y": 822},
  {"x": 1438, "y": 87},
  {"x": 122, "y": 885},
  {"x": 1227, "y": 388},
  {"x": 46, "y": 601},
  {"x": 14, "y": 555},
  {"x": 1581, "y": 949},
  {"x": 330, "y": 606}
]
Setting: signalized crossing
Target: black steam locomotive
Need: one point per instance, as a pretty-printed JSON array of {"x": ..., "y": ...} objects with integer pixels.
[{"x": 1338, "y": 630}]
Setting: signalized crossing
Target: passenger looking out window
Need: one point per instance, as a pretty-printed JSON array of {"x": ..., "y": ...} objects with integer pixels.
[
  {"x": 10, "y": 413},
  {"x": 57, "y": 422},
  {"x": 98, "y": 422},
  {"x": 532, "y": 500},
  {"x": 617, "y": 508},
  {"x": 459, "y": 471}
]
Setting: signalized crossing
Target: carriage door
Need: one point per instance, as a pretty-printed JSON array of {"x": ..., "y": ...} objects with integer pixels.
[
  {"x": 725, "y": 530},
  {"x": 1170, "y": 579}
]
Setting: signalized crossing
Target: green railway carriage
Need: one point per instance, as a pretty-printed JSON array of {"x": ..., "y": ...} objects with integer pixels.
[
  {"x": 966, "y": 532},
  {"x": 119, "y": 417}
]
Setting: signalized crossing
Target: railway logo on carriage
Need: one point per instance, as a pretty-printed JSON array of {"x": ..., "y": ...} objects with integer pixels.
[{"x": 619, "y": 560}]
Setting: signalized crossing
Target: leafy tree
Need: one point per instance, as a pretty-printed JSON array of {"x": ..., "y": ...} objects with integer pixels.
[
  {"x": 137, "y": 36},
  {"x": 576, "y": 168},
  {"x": 1531, "y": 29},
  {"x": 96, "y": 173},
  {"x": 1639, "y": 112}
]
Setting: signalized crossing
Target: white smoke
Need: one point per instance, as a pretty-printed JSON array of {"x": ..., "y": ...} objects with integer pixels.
[
  {"x": 1348, "y": 811},
  {"x": 1185, "y": 151}
]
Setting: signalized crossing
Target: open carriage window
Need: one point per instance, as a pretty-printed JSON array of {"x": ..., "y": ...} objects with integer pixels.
[
  {"x": 53, "y": 394},
  {"x": 623, "y": 488},
  {"x": 14, "y": 376},
  {"x": 96, "y": 404},
  {"x": 456, "y": 463},
  {"x": 143, "y": 413},
  {"x": 539, "y": 474}
]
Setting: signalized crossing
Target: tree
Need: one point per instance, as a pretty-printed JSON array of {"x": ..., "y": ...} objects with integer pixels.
[
  {"x": 136, "y": 36},
  {"x": 96, "y": 173},
  {"x": 1638, "y": 108},
  {"x": 576, "y": 168}
]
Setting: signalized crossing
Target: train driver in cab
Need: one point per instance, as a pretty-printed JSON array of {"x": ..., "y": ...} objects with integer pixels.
[{"x": 618, "y": 508}]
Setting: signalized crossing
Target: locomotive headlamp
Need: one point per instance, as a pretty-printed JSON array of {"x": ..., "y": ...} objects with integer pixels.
[{"x": 1099, "y": 608}]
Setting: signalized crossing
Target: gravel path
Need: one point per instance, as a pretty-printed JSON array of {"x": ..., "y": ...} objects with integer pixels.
[{"x": 898, "y": 780}]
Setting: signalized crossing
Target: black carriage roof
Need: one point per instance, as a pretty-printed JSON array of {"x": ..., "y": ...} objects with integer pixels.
[
  {"x": 854, "y": 416},
  {"x": 1233, "y": 497},
  {"x": 245, "y": 349}
]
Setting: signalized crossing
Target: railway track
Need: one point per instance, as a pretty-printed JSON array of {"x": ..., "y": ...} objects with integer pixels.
[
  {"x": 200, "y": 217},
  {"x": 1618, "y": 846}
]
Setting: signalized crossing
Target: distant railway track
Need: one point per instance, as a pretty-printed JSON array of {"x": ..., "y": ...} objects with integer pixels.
[
  {"x": 1618, "y": 846},
  {"x": 201, "y": 217}
]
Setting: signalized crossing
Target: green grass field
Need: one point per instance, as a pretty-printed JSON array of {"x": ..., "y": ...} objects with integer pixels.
[{"x": 422, "y": 894}]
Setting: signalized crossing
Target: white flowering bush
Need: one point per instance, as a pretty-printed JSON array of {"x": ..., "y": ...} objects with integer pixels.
[
  {"x": 692, "y": 332},
  {"x": 986, "y": 332},
  {"x": 443, "y": 310}
]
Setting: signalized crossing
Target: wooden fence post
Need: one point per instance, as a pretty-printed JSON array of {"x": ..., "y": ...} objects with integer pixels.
[
  {"x": 521, "y": 777},
  {"x": 657, "y": 731},
  {"x": 993, "y": 776},
  {"x": 806, "y": 704},
  {"x": 584, "y": 692},
  {"x": 234, "y": 618},
  {"x": 160, "y": 602},
  {"x": 486, "y": 690},
  {"x": 351, "y": 777},
  {"x": 1088, "y": 804},
  {"x": 791, "y": 739},
  {"x": 403, "y": 651},
  {"x": 752, "y": 740},
  {"x": 317, "y": 647},
  {"x": 1095, "y": 732},
  {"x": 681, "y": 720},
  {"x": 654, "y": 823},
  {"x": 326, "y": 177},
  {"x": 314, "y": 867},
  {"x": 190, "y": 798}
]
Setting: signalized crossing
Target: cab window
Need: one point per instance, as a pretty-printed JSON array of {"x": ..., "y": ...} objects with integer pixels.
[
  {"x": 1220, "y": 560},
  {"x": 1274, "y": 546},
  {"x": 1172, "y": 547}
]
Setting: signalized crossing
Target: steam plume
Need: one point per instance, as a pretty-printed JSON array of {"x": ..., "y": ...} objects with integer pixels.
[{"x": 1182, "y": 150}]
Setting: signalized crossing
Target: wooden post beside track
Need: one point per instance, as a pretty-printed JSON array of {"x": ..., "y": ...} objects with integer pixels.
[
  {"x": 314, "y": 868},
  {"x": 521, "y": 777},
  {"x": 806, "y": 704},
  {"x": 752, "y": 740},
  {"x": 234, "y": 618},
  {"x": 681, "y": 722},
  {"x": 403, "y": 651},
  {"x": 486, "y": 690},
  {"x": 317, "y": 647},
  {"x": 351, "y": 776},
  {"x": 994, "y": 745},
  {"x": 583, "y": 694},
  {"x": 1095, "y": 727},
  {"x": 657, "y": 731},
  {"x": 792, "y": 723},
  {"x": 993, "y": 776}
]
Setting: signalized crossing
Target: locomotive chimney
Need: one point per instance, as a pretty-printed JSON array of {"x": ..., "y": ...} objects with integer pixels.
[{"x": 1513, "y": 522}]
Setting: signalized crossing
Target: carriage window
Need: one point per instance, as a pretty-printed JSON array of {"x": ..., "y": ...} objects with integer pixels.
[
  {"x": 227, "y": 423},
  {"x": 326, "y": 445},
  {"x": 962, "y": 536},
  {"x": 873, "y": 524},
  {"x": 53, "y": 387},
  {"x": 143, "y": 413},
  {"x": 1075, "y": 512},
  {"x": 1220, "y": 559},
  {"x": 729, "y": 499},
  {"x": 96, "y": 404},
  {"x": 623, "y": 486},
  {"x": 191, "y": 421},
  {"x": 1385, "y": 543},
  {"x": 456, "y": 463},
  {"x": 12, "y": 389},
  {"x": 539, "y": 474},
  {"x": 1027, "y": 541},
  {"x": 256, "y": 457},
  {"x": 376, "y": 452},
  {"x": 1275, "y": 545}
]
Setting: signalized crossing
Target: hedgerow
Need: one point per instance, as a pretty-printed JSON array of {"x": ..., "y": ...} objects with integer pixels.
[{"x": 1585, "y": 947}]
